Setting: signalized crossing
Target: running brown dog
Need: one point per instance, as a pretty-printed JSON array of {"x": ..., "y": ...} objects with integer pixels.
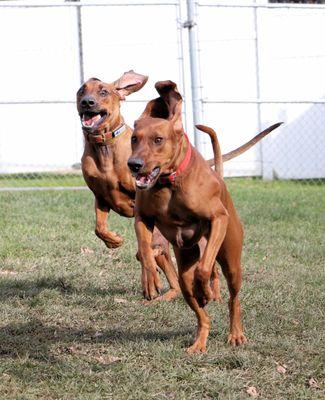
[
  {"x": 189, "y": 203},
  {"x": 104, "y": 165}
]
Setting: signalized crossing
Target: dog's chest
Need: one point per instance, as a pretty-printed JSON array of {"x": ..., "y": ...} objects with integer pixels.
[
  {"x": 106, "y": 173},
  {"x": 99, "y": 178},
  {"x": 174, "y": 217},
  {"x": 182, "y": 236},
  {"x": 180, "y": 228},
  {"x": 115, "y": 188}
]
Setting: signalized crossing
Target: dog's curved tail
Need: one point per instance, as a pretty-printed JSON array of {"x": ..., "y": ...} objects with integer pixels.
[
  {"x": 217, "y": 160},
  {"x": 246, "y": 146}
]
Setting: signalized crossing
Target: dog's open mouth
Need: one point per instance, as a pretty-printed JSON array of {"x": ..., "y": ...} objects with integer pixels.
[
  {"x": 91, "y": 120},
  {"x": 146, "y": 181}
]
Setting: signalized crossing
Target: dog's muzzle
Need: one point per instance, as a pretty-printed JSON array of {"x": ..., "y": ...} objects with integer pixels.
[{"x": 135, "y": 164}]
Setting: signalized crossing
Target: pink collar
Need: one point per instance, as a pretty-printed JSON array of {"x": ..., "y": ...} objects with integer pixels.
[{"x": 183, "y": 165}]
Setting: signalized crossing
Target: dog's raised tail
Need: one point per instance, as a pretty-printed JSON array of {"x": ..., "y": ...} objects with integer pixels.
[
  {"x": 217, "y": 160},
  {"x": 246, "y": 146}
]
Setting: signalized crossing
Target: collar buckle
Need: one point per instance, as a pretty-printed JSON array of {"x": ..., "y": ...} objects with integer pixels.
[{"x": 103, "y": 138}]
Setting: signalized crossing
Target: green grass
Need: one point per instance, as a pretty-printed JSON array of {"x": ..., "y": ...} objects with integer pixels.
[
  {"x": 41, "y": 179},
  {"x": 73, "y": 326}
]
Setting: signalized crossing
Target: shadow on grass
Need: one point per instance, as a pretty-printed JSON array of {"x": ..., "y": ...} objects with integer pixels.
[
  {"x": 35, "y": 340},
  {"x": 10, "y": 287}
]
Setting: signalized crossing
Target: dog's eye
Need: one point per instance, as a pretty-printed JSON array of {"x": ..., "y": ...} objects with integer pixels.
[
  {"x": 158, "y": 140},
  {"x": 80, "y": 91},
  {"x": 103, "y": 92},
  {"x": 134, "y": 139}
]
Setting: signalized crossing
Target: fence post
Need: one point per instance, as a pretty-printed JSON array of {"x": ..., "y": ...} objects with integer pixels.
[
  {"x": 266, "y": 163},
  {"x": 191, "y": 25},
  {"x": 80, "y": 44}
]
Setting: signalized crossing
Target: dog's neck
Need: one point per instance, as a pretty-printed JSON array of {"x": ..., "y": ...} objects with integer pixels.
[
  {"x": 106, "y": 134},
  {"x": 180, "y": 162}
]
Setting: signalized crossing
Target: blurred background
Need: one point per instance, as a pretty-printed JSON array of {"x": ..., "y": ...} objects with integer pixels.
[{"x": 240, "y": 66}]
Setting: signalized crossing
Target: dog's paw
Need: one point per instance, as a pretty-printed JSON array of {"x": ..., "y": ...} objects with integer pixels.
[
  {"x": 113, "y": 245},
  {"x": 197, "y": 347},
  {"x": 215, "y": 287},
  {"x": 216, "y": 294},
  {"x": 217, "y": 297},
  {"x": 111, "y": 239},
  {"x": 170, "y": 295},
  {"x": 151, "y": 283},
  {"x": 236, "y": 339}
]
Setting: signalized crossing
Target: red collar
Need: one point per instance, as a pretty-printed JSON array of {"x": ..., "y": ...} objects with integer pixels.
[{"x": 183, "y": 165}]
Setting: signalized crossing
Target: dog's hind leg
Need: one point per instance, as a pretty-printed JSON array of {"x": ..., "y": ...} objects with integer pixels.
[
  {"x": 187, "y": 261},
  {"x": 229, "y": 257},
  {"x": 232, "y": 272}
]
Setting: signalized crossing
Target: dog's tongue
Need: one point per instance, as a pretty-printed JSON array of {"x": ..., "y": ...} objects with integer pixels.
[
  {"x": 143, "y": 179},
  {"x": 90, "y": 121}
]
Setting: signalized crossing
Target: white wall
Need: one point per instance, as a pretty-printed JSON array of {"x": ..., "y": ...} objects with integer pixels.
[
  {"x": 40, "y": 62},
  {"x": 291, "y": 53}
]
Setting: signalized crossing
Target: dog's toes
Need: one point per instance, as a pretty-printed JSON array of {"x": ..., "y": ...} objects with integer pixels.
[
  {"x": 153, "y": 292},
  {"x": 216, "y": 295},
  {"x": 115, "y": 241},
  {"x": 114, "y": 245},
  {"x": 218, "y": 298},
  {"x": 196, "y": 348},
  {"x": 111, "y": 239},
  {"x": 236, "y": 339},
  {"x": 171, "y": 294}
]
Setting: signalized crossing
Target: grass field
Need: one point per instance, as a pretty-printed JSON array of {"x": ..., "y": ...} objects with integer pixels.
[
  {"x": 73, "y": 326},
  {"x": 42, "y": 179}
]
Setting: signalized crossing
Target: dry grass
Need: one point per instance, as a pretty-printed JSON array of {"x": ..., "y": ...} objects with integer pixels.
[{"x": 73, "y": 326}]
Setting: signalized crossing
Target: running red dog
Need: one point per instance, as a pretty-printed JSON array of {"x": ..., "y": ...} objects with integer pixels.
[
  {"x": 104, "y": 165},
  {"x": 189, "y": 203}
]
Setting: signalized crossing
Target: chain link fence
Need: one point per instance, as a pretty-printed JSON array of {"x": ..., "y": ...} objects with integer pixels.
[
  {"x": 267, "y": 67},
  {"x": 258, "y": 63}
]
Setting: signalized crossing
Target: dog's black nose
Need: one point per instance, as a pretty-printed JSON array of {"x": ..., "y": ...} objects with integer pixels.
[
  {"x": 135, "y": 164},
  {"x": 88, "y": 102}
]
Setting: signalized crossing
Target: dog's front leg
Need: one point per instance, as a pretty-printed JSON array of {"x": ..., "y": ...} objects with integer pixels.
[
  {"x": 111, "y": 239},
  {"x": 151, "y": 284},
  {"x": 204, "y": 270}
]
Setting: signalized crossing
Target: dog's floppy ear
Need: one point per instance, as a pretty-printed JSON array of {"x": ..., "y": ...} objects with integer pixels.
[
  {"x": 167, "y": 106},
  {"x": 128, "y": 83},
  {"x": 170, "y": 95},
  {"x": 156, "y": 108}
]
